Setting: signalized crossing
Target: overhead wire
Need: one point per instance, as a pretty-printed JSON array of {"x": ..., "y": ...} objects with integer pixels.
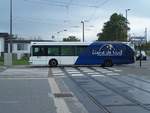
[
  {"x": 95, "y": 10},
  {"x": 21, "y": 20},
  {"x": 60, "y": 4},
  {"x": 67, "y": 5}
]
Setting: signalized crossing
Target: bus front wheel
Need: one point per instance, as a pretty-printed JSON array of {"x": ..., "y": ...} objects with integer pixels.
[
  {"x": 108, "y": 63},
  {"x": 53, "y": 63}
]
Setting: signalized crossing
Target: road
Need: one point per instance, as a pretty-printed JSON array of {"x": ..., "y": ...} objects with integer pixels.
[
  {"x": 20, "y": 92},
  {"x": 119, "y": 89}
]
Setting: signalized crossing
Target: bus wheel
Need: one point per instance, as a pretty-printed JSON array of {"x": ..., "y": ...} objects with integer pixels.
[
  {"x": 108, "y": 63},
  {"x": 53, "y": 63}
]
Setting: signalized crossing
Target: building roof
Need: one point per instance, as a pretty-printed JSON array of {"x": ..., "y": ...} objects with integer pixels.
[
  {"x": 27, "y": 41},
  {"x": 4, "y": 35},
  {"x": 19, "y": 40}
]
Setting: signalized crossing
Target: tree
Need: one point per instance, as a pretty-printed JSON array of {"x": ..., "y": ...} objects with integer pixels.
[
  {"x": 115, "y": 29},
  {"x": 71, "y": 39}
]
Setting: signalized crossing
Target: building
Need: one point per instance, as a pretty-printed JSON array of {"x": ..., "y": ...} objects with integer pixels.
[
  {"x": 3, "y": 37},
  {"x": 138, "y": 40},
  {"x": 20, "y": 47}
]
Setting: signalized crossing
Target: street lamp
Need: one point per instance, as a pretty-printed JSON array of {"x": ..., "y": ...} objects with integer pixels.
[
  {"x": 127, "y": 21},
  {"x": 127, "y": 13},
  {"x": 83, "y": 30}
]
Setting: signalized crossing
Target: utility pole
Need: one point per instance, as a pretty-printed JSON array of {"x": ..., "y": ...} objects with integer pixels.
[
  {"x": 10, "y": 37},
  {"x": 83, "y": 30},
  {"x": 8, "y": 55},
  {"x": 127, "y": 22}
]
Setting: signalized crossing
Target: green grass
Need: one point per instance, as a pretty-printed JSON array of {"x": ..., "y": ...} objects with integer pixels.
[
  {"x": 20, "y": 62},
  {"x": 148, "y": 53},
  {"x": 1, "y": 61},
  {"x": 23, "y": 61}
]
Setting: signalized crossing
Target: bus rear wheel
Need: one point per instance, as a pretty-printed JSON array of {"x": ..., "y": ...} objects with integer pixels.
[
  {"x": 108, "y": 63},
  {"x": 53, "y": 63}
]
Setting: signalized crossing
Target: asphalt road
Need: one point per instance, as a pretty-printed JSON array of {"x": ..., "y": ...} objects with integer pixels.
[
  {"x": 22, "y": 91},
  {"x": 120, "y": 89},
  {"x": 25, "y": 96}
]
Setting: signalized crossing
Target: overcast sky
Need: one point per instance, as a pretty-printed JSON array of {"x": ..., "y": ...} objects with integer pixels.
[{"x": 45, "y": 18}]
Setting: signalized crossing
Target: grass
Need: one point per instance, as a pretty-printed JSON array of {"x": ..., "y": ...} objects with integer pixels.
[
  {"x": 1, "y": 61},
  {"x": 22, "y": 61},
  {"x": 148, "y": 53}
]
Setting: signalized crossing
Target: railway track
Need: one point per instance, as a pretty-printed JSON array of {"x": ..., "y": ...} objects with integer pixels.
[
  {"x": 92, "y": 98},
  {"x": 125, "y": 82},
  {"x": 110, "y": 87}
]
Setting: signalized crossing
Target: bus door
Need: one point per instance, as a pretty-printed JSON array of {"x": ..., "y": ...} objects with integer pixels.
[
  {"x": 130, "y": 54},
  {"x": 39, "y": 55}
]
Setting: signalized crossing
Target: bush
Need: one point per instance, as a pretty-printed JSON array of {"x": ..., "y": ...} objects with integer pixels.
[{"x": 1, "y": 58}]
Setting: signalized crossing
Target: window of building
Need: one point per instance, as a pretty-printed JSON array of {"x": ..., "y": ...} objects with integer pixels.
[{"x": 22, "y": 46}]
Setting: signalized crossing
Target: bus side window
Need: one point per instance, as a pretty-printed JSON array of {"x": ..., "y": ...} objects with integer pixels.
[
  {"x": 42, "y": 51},
  {"x": 39, "y": 51},
  {"x": 80, "y": 49},
  {"x": 53, "y": 51},
  {"x": 67, "y": 50},
  {"x": 36, "y": 51}
]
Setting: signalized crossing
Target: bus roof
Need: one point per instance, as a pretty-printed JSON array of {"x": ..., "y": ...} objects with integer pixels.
[
  {"x": 79, "y": 43},
  {"x": 61, "y": 43}
]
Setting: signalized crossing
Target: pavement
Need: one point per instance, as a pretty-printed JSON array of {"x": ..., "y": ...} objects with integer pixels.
[{"x": 34, "y": 90}]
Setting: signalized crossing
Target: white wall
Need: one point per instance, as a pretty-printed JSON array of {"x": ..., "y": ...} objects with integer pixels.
[
  {"x": 1, "y": 44},
  {"x": 15, "y": 49},
  {"x": 20, "y": 53}
]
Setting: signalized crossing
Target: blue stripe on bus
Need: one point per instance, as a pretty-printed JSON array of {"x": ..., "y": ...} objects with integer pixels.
[{"x": 98, "y": 52}]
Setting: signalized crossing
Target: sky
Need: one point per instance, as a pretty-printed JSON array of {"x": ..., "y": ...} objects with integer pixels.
[{"x": 62, "y": 18}]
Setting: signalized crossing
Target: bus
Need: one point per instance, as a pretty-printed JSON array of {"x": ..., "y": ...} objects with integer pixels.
[{"x": 81, "y": 53}]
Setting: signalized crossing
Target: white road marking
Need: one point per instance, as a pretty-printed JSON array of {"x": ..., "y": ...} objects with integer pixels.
[
  {"x": 114, "y": 69},
  {"x": 58, "y": 74},
  {"x": 88, "y": 71},
  {"x": 75, "y": 72},
  {"x": 117, "y": 70},
  {"x": 57, "y": 71},
  {"x": 59, "y": 102},
  {"x": 77, "y": 75},
  {"x": 113, "y": 74},
  {"x": 93, "y": 73},
  {"x": 97, "y": 75}
]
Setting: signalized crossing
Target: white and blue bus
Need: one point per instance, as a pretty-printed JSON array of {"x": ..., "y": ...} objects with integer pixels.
[{"x": 80, "y": 53}]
